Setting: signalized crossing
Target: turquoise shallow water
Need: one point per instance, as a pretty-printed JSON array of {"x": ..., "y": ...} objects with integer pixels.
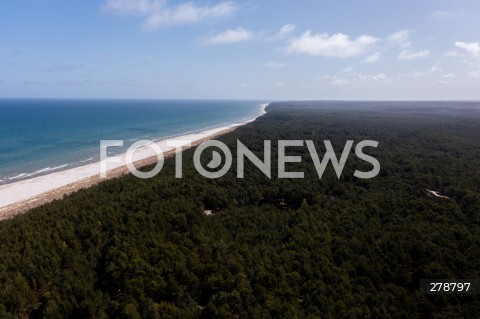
[{"x": 38, "y": 136}]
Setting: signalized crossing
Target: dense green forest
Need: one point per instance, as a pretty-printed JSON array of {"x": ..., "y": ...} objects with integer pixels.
[{"x": 274, "y": 248}]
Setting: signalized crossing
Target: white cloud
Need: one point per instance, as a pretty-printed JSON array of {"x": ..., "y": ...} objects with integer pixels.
[
  {"x": 347, "y": 70},
  {"x": 448, "y": 76},
  {"x": 379, "y": 77},
  {"x": 229, "y": 36},
  {"x": 473, "y": 48},
  {"x": 474, "y": 74},
  {"x": 353, "y": 78},
  {"x": 406, "y": 55},
  {"x": 400, "y": 38},
  {"x": 339, "y": 82},
  {"x": 338, "y": 45},
  {"x": 372, "y": 58},
  {"x": 286, "y": 30},
  {"x": 279, "y": 84},
  {"x": 434, "y": 69},
  {"x": 138, "y": 7},
  {"x": 158, "y": 14},
  {"x": 188, "y": 13},
  {"x": 442, "y": 82},
  {"x": 274, "y": 65},
  {"x": 421, "y": 73}
]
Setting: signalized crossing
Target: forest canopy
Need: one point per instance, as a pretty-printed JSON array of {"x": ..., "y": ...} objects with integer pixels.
[{"x": 272, "y": 248}]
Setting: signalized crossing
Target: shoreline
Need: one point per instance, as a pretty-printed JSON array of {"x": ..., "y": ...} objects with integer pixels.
[{"x": 19, "y": 197}]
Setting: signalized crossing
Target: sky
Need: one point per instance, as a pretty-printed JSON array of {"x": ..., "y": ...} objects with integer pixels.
[{"x": 263, "y": 49}]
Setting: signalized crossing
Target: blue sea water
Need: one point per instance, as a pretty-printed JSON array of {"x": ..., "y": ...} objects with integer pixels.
[{"x": 38, "y": 136}]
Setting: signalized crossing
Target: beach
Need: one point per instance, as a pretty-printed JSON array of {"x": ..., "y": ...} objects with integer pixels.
[{"x": 21, "y": 196}]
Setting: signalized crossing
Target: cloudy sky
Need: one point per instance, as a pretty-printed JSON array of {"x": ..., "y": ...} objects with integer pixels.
[{"x": 263, "y": 49}]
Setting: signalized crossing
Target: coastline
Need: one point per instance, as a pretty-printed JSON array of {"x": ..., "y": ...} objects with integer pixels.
[{"x": 17, "y": 198}]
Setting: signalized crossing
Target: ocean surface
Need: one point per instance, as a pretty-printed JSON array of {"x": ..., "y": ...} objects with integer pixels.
[{"x": 39, "y": 136}]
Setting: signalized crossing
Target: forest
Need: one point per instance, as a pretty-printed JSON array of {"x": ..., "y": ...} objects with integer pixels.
[{"x": 272, "y": 248}]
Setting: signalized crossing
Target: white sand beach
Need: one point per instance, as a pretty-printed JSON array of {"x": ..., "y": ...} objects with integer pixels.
[{"x": 23, "y": 195}]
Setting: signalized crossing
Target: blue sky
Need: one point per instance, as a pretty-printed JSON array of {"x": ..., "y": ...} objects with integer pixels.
[{"x": 370, "y": 49}]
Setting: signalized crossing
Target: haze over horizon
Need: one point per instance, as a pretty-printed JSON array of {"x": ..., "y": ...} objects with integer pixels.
[{"x": 219, "y": 49}]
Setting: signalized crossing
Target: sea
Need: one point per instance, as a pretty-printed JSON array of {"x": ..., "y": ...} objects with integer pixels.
[{"x": 39, "y": 136}]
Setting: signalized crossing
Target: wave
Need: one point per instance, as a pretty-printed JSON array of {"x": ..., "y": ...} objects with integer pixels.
[
  {"x": 43, "y": 170},
  {"x": 18, "y": 176},
  {"x": 57, "y": 167},
  {"x": 87, "y": 160}
]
